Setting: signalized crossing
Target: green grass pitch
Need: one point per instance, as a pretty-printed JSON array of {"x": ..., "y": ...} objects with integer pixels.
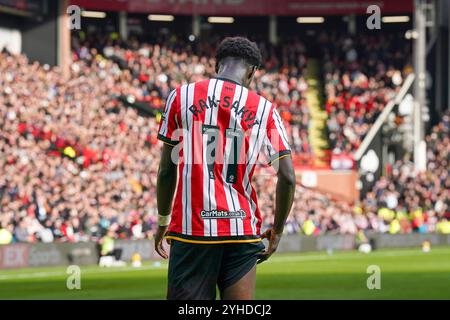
[{"x": 405, "y": 274}]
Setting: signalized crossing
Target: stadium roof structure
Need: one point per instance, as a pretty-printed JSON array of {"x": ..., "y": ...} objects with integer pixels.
[{"x": 248, "y": 7}]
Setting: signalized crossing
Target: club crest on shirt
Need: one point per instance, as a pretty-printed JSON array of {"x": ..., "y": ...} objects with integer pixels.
[{"x": 221, "y": 214}]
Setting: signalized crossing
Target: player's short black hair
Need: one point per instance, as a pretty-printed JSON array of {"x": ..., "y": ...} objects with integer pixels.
[{"x": 239, "y": 47}]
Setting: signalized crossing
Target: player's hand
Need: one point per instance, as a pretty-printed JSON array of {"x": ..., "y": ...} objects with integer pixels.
[
  {"x": 274, "y": 240},
  {"x": 160, "y": 234}
]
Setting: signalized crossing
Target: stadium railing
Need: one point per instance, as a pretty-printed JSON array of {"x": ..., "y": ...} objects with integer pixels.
[{"x": 383, "y": 117}]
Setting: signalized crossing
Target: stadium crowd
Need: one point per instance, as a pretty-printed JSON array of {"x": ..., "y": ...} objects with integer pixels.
[
  {"x": 361, "y": 73},
  {"x": 157, "y": 68},
  {"x": 402, "y": 201},
  {"x": 75, "y": 163}
]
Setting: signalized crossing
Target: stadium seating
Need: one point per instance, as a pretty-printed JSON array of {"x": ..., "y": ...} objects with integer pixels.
[{"x": 75, "y": 162}]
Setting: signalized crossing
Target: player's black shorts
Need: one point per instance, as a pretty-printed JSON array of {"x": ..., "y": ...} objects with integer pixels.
[{"x": 196, "y": 269}]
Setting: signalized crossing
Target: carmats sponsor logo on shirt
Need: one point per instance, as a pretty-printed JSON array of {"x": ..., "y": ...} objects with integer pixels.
[{"x": 216, "y": 214}]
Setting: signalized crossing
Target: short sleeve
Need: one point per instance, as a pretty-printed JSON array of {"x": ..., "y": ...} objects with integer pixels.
[
  {"x": 169, "y": 121},
  {"x": 276, "y": 142}
]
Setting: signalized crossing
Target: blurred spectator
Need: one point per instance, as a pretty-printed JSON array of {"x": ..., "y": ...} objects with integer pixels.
[{"x": 6, "y": 236}]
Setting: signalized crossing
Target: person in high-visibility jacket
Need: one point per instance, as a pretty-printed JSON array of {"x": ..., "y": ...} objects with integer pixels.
[
  {"x": 443, "y": 226},
  {"x": 309, "y": 227},
  {"x": 394, "y": 226},
  {"x": 108, "y": 246},
  {"x": 6, "y": 236}
]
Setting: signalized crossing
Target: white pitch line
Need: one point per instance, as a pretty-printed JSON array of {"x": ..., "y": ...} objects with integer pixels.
[
  {"x": 29, "y": 275},
  {"x": 344, "y": 256},
  {"x": 85, "y": 271}
]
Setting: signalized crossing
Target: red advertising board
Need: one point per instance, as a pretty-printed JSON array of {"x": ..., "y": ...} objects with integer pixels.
[
  {"x": 14, "y": 256},
  {"x": 248, "y": 7}
]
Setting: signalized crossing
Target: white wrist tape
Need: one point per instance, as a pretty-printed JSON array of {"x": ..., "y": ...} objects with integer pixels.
[{"x": 163, "y": 221}]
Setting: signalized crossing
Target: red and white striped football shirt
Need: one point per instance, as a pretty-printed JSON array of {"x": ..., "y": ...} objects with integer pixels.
[{"x": 218, "y": 129}]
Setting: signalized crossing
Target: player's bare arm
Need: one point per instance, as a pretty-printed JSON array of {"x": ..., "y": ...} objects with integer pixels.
[
  {"x": 165, "y": 190},
  {"x": 283, "y": 203}
]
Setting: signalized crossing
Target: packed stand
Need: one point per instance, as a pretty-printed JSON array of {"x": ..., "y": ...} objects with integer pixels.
[
  {"x": 361, "y": 73},
  {"x": 73, "y": 163},
  {"x": 403, "y": 201},
  {"x": 159, "y": 67}
]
